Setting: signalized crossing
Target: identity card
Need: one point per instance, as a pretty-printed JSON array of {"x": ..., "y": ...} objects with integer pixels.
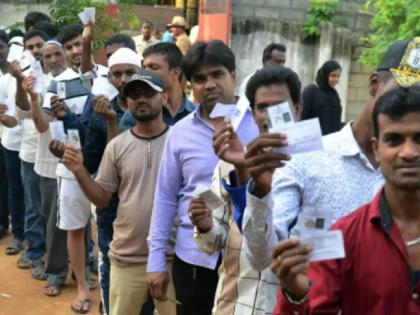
[
  {"x": 209, "y": 197},
  {"x": 57, "y": 130}
]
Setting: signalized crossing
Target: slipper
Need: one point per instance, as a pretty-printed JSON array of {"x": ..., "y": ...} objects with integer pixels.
[
  {"x": 92, "y": 282},
  {"x": 15, "y": 247},
  {"x": 84, "y": 307},
  {"x": 38, "y": 269},
  {"x": 52, "y": 290},
  {"x": 23, "y": 261}
]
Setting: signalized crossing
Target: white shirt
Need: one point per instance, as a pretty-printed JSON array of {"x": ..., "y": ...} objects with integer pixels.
[
  {"x": 339, "y": 180},
  {"x": 11, "y": 137}
]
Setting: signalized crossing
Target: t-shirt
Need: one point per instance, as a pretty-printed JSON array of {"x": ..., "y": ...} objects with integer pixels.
[
  {"x": 183, "y": 42},
  {"x": 128, "y": 168}
]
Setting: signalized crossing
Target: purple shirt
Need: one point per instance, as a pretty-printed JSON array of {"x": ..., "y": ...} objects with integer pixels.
[{"x": 188, "y": 160}]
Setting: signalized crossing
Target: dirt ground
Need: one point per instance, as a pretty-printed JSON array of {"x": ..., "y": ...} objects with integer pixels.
[{"x": 20, "y": 294}]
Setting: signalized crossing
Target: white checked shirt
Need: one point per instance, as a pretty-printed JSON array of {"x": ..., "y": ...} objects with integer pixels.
[{"x": 337, "y": 180}]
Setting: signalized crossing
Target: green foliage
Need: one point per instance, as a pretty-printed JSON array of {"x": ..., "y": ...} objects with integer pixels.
[
  {"x": 393, "y": 19},
  {"x": 147, "y": 2},
  {"x": 64, "y": 12},
  {"x": 319, "y": 11}
]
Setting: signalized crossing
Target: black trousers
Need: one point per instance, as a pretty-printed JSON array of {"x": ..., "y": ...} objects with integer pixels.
[{"x": 195, "y": 287}]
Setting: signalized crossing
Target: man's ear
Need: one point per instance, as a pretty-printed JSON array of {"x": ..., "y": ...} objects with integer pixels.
[
  {"x": 374, "y": 142},
  {"x": 297, "y": 111},
  {"x": 164, "y": 98},
  {"x": 233, "y": 74},
  {"x": 177, "y": 73}
]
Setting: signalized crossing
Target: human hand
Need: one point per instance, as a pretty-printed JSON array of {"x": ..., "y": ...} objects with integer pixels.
[
  {"x": 103, "y": 107},
  {"x": 59, "y": 107},
  {"x": 200, "y": 215},
  {"x": 15, "y": 70},
  {"x": 290, "y": 263},
  {"x": 88, "y": 32},
  {"x": 73, "y": 158},
  {"x": 227, "y": 146},
  {"x": 57, "y": 148},
  {"x": 158, "y": 284},
  {"x": 261, "y": 161},
  {"x": 28, "y": 86}
]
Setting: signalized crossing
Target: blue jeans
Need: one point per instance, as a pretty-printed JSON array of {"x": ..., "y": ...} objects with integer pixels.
[
  {"x": 104, "y": 221},
  {"x": 15, "y": 200},
  {"x": 34, "y": 217}
]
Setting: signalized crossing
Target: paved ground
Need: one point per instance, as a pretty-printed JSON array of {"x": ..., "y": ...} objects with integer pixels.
[{"x": 20, "y": 294}]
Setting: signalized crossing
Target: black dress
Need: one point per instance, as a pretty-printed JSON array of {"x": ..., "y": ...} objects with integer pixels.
[{"x": 324, "y": 104}]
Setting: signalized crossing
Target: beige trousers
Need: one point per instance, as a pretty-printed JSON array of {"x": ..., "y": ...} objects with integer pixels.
[{"x": 129, "y": 291}]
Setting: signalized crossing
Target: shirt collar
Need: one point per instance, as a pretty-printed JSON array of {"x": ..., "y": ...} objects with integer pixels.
[
  {"x": 347, "y": 146},
  {"x": 380, "y": 213}
]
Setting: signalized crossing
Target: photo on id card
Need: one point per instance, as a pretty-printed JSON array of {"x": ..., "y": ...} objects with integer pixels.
[{"x": 279, "y": 115}]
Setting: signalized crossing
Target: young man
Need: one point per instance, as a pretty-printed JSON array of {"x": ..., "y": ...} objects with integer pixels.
[
  {"x": 273, "y": 54},
  {"x": 177, "y": 28},
  {"x": 189, "y": 160},
  {"x": 54, "y": 62},
  {"x": 166, "y": 60},
  {"x": 74, "y": 207},
  {"x": 34, "y": 217},
  {"x": 381, "y": 271},
  {"x": 4, "y": 50},
  {"x": 241, "y": 289},
  {"x": 32, "y": 18},
  {"x": 97, "y": 125},
  {"x": 129, "y": 167},
  {"x": 145, "y": 39},
  {"x": 277, "y": 195},
  {"x": 10, "y": 140}
]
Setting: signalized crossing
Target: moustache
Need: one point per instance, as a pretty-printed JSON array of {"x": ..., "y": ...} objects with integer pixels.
[{"x": 414, "y": 164}]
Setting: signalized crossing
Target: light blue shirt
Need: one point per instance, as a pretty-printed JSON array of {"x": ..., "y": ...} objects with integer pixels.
[{"x": 188, "y": 160}]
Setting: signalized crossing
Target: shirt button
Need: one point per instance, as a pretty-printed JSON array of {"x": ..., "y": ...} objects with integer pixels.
[{"x": 415, "y": 296}]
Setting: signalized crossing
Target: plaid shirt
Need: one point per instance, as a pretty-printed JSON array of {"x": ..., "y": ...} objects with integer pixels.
[{"x": 241, "y": 289}]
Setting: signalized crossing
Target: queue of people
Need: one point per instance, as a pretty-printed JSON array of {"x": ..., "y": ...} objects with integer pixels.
[{"x": 125, "y": 140}]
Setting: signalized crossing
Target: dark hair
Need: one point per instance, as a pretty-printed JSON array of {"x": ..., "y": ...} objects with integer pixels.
[
  {"x": 147, "y": 22},
  {"x": 324, "y": 73},
  {"x": 395, "y": 104},
  {"x": 69, "y": 32},
  {"x": 123, "y": 39},
  {"x": 211, "y": 53},
  {"x": 268, "y": 51},
  {"x": 4, "y": 37},
  {"x": 15, "y": 32},
  {"x": 33, "y": 34},
  {"x": 170, "y": 51},
  {"x": 33, "y": 17},
  {"x": 47, "y": 27},
  {"x": 274, "y": 75}
]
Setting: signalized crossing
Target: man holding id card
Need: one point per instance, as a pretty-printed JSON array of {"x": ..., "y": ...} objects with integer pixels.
[{"x": 381, "y": 272}]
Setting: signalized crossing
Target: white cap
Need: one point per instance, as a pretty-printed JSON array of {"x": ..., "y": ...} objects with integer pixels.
[{"x": 124, "y": 56}]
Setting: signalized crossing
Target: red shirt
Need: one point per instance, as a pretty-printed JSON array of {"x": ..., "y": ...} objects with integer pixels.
[{"x": 373, "y": 279}]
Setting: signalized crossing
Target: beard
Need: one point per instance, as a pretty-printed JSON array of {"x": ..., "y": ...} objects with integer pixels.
[
  {"x": 58, "y": 69},
  {"x": 150, "y": 115}
]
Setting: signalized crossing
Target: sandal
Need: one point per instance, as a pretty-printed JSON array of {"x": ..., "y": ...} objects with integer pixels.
[
  {"x": 83, "y": 308},
  {"x": 52, "y": 289},
  {"x": 15, "y": 247},
  {"x": 92, "y": 282},
  {"x": 23, "y": 261},
  {"x": 38, "y": 270}
]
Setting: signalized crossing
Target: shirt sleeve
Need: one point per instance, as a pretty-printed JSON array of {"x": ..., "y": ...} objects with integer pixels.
[
  {"x": 165, "y": 207},
  {"x": 268, "y": 220},
  {"x": 127, "y": 121},
  {"x": 238, "y": 197},
  {"x": 107, "y": 176}
]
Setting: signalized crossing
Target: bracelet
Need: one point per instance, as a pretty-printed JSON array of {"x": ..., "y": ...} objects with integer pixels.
[{"x": 292, "y": 300}]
